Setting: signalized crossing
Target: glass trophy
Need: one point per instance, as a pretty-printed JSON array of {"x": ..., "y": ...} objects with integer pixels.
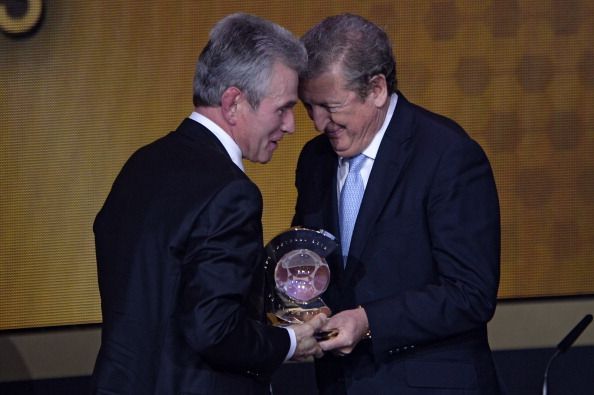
[{"x": 297, "y": 274}]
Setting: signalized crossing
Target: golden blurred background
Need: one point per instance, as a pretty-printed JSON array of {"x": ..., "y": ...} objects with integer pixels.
[{"x": 99, "y": 79}]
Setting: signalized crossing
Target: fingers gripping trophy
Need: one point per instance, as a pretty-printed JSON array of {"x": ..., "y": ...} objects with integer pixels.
[{"x": 297, "y": 274}]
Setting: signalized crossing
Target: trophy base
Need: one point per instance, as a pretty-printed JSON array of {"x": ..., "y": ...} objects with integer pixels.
[{"x": 297, "y": 315}]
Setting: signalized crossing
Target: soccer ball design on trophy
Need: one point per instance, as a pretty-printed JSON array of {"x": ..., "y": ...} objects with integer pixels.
[{"x": 297, "y": 274}]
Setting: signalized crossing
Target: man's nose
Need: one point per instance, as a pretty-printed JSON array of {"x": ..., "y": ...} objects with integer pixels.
[
  {"x": 320, "y": 116},
  {"x": 288, "y": 125}
]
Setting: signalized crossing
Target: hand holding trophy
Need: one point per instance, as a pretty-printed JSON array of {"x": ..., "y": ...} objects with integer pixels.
[{"x": 297, "y": 274}]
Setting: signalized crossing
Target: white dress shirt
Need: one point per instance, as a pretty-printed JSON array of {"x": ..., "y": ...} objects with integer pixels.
[{"x": 230, "y": 145}]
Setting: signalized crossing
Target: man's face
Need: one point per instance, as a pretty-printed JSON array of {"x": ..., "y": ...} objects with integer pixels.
[
  {"x": 260, "y": 130},
  {"x": 349, "y": 121}
]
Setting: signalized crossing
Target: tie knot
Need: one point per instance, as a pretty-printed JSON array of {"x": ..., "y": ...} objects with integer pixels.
[{"x": 356, "y": 163}]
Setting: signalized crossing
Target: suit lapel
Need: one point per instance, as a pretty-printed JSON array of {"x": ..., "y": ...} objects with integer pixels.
[
  {"x": 392, "y": 156},
  {"x": 330, "y": 214}
]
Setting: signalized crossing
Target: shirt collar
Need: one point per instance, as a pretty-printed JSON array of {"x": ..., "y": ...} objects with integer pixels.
[
  {"x": 373, "y": 147},
  {"x": 230, "y": 145}
]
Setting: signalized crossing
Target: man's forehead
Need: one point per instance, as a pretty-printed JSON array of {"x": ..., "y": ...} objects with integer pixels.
[{"x": 324, "y": 90}]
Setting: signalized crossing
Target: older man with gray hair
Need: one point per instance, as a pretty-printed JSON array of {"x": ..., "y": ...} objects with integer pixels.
[
  {"x": 413, "y": 199},
  {"x": 179, "y": 239}
]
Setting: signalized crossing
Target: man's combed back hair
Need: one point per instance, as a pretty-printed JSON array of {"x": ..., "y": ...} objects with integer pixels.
[
  {"x": 360, "y": 47},
  {"x": 241, "y": 52}
]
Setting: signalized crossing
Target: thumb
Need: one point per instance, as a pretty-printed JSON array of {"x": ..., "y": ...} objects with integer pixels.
[{"x": 318, "y": 321}]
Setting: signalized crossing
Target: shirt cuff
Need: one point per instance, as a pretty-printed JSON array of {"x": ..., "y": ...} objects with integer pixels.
[{"x": 293, "y": 343}]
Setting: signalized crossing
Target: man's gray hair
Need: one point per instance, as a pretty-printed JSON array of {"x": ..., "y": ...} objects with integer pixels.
[
  {"x": 361, "y": 48},
  {"x": 241, "y": 52}
]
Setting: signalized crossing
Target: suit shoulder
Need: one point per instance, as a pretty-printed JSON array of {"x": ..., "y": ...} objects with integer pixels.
[
  {"x": 435, "y": 123},
  {"x": 315, "y": 151},
  {"x": 430, "y": 132},
  {"x": 174, "y": 170},
  {"x": 178, "y": 156},
  {"x": 316, "y": 155},
  {"x": 316, "y": 146}
]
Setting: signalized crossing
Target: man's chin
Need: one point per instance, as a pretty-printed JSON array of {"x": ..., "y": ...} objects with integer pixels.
[
  {"x": 266, "y": 158},
  {"x": 336, "y": 146}
]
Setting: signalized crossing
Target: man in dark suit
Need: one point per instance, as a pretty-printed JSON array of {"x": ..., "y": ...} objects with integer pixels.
[
  {"x": 416, "y": 281},
  {"x": 179, "y": 238}
]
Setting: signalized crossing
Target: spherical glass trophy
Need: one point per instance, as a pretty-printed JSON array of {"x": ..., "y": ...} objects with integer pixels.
[{"x": 297, "y": 274}]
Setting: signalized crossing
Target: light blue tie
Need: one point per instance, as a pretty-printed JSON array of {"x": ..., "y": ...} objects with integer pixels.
[{"x": 350, "y": 200}]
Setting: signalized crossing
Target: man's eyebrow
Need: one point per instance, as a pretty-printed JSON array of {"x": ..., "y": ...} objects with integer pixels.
[{"x": 289, "y": 104}]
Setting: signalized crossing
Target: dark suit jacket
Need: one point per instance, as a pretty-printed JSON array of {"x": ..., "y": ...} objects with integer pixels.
[
  {"x": 179, "y": 259},
  {"x": 423, "y": 261}
]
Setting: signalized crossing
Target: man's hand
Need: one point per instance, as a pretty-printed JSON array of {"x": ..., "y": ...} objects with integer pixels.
[
  {"x": 351, "y": 327},
  {"x": 307, "y": 344}
]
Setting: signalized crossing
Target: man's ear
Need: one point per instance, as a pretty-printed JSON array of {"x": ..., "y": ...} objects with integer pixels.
[
  {"x": 378, "y": 89},
  {"x": 229, "y": 104}
]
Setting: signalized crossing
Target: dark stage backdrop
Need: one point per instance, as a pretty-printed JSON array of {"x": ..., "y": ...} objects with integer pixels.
[{"x": 96, "y": 80}]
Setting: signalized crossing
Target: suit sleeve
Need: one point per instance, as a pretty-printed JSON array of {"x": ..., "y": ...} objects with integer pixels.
[
  {"x": 461, "y": 212},
  {"x": 220, "y": 275}
]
